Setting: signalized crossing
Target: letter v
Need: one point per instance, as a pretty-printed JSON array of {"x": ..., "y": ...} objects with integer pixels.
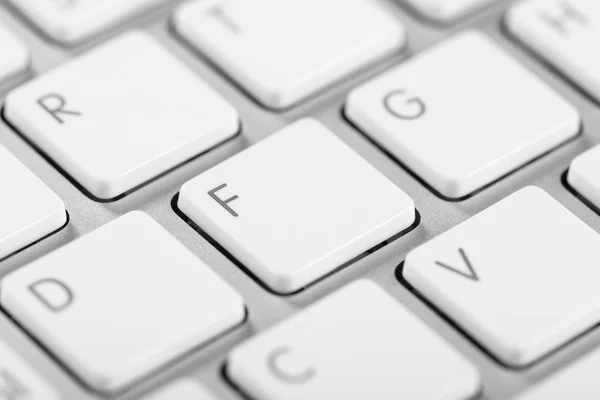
[{"x": 471, "y": 275}]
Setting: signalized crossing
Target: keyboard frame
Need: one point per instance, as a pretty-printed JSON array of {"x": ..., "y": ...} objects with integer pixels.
[{"x": 265, "y": 308}]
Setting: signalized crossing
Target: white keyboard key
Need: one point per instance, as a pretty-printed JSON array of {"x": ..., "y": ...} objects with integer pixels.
[
  {"x": 451, "y": 115},
  {"x": 282, "y": 51},
  {"x": 72, "y": 21},
  {"x": 446, "y": 10},
  {"x": 583, "y": 175},
  {"x": 15, "y": 56},
  {"x": 29, "y": 210},
  {"x": 358, "y": 343},
  {"x": 121, "y": 302},
  {"x": 185, "y": 389},
  {"x": 18, "y": 382},
  {"x": 578, "y": 381},
  {"x": 564, "y": 32},
  {"x": 129, "y": 102},
  {"x": 296, "y": 206},
  {"x": 498, "y": 275}
]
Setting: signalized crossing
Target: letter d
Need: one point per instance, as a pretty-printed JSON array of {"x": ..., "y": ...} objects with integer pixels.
[{"x": 54, "y": 294}]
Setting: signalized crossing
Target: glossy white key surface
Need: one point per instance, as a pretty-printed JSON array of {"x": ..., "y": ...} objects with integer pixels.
[
  {"x": 462, "y": 114},
  {"x": 29, "y": 210},
  {"x": 577, "y": 381},
  {"x": 185, "y": 389},
  {"x": 121, "y": 115},
  {"x": 358, "y": 343},
  {"x": 72, "y": 21},
  {"x": 282, "y": 51},
  {"x": 564, "y": 32},
  {"x": 446, "y": 10},
  {"x": 520, "y": 277},
  {"x": 15, "y": 55},
  {"x": 121, "y": 302},
  {"x": 18, "y": 381},
  {"x": 584, "y": 176},
  {"x": 296, "y": 206}
]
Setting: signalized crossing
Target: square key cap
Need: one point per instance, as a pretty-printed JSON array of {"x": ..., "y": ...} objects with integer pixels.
[
  {"x": 120, "y": 115},
  {"x": 283, "y": 51},
  {"x": 358, "y": 343},
  {"x": 296, "y": 206},
  {"x": 520, "y": 277},
  {"x": 121, "y": 302},
  {"x": 563, "y": 32},
  {"x": 462, "y": 115}
]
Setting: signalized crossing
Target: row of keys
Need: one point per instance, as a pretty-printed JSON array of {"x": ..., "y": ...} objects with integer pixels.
[
  {"x": 281, "y": 70},
  {"x": 465, "y": 272},
  {"x": 73, "y": 21},
  {"x": 94, "y": 108},
  {"x": 54, "y": 110}
]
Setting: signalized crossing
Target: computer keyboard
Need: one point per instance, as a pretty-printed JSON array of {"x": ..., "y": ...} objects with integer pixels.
[{"x": 318, "y": 199}]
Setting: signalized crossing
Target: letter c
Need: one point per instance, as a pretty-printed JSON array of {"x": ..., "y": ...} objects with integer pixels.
[
  {"x": 53, "y": 294},
  {"x": 411, "y": 108},
  {"x": 294, "y": 377}
]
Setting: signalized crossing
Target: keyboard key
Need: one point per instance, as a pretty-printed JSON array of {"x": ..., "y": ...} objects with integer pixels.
[
  {"x": 520, "y": 277},
  {"x": 282, "y": 51},
  {"x": 185, "y": 389},
  {"x": 129, "y": 102},
  {"x": 73, "y": 21},
  {"x": 296, "y": 206},
  {"x": 121, "y": 302},
  {"x": 583, "y": 175},
  {"x": 18, "y": 382},
  {"x": 578, "y": 381},
  {"x": 446, "y": 10},
  {"x": 358, "y": 343},
  {"x": 462, "y": 115},
  {"x": 15, "y": 56},
  {"x": 564, "y": 32},
  {"x": 29, "y": 210}
]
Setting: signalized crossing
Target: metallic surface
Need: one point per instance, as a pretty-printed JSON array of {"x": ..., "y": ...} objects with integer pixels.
[{"x": 265, "y": 309}]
